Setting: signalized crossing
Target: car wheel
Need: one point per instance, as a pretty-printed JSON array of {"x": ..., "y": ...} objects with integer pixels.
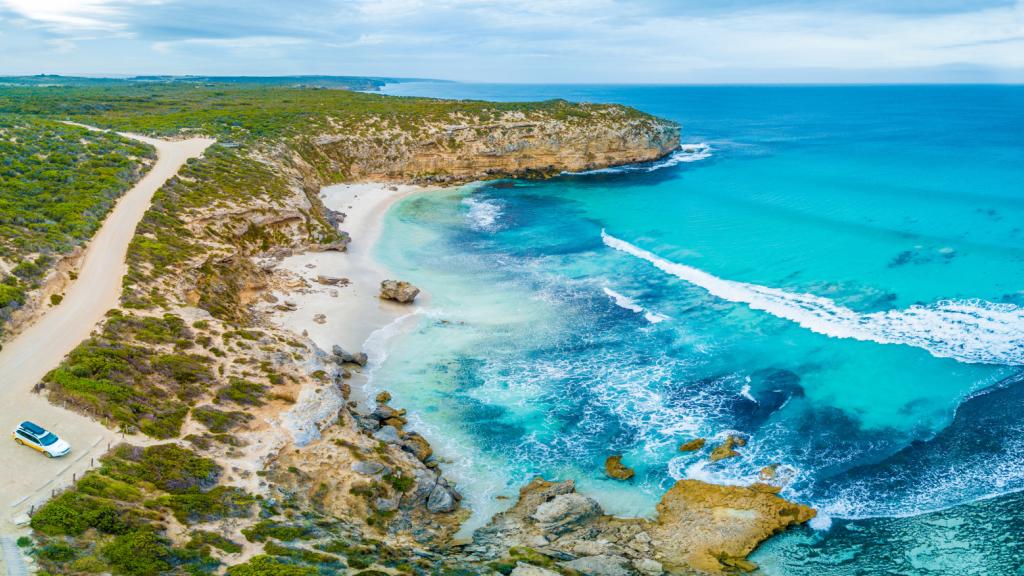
[
  {"x": 20, "y": 443},
  {"x": 48, "y": 455}
]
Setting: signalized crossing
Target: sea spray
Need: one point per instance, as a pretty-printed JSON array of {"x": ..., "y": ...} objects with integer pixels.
[{"x": 971, "y": 331}]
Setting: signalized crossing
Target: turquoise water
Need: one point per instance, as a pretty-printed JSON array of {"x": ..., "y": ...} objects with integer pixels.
[{"x": 833, "y": 272}]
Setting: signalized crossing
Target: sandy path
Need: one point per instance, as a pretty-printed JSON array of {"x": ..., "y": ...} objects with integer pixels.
[{"x": 28, "y": 476}]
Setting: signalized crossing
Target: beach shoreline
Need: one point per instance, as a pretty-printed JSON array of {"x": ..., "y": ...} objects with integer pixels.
[{"x": 352, "y": 310}]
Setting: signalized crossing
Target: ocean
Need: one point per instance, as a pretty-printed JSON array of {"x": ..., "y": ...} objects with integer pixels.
[{"x": 835, "y": 273}]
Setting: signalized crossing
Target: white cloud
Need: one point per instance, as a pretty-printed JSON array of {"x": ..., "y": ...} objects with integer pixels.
[
  {"x": 75, "y": 15},
  {"x": 238, "y": 43}
]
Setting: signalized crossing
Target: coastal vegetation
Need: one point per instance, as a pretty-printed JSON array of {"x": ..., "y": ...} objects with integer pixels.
[{"x": 57, "y": 183}]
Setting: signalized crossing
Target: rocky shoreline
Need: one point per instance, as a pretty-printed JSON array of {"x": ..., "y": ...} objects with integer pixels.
[{"x": 552, "y": 528}]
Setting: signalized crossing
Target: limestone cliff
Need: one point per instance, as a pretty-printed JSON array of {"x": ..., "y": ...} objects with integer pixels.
[{"x": 514, "y": 143}]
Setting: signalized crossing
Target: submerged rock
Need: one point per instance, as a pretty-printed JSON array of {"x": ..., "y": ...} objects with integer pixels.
[
  {"x": 398, "y": 290},
  {"x": 614, "y": 468}
]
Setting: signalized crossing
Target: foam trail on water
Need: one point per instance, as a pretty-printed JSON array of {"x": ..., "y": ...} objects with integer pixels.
[
  {"x": 972, "y": 331},
  {"x": 627, "y": 303}
]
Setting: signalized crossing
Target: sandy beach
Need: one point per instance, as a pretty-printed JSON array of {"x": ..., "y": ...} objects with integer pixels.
[{"x": 353, "y": 311}]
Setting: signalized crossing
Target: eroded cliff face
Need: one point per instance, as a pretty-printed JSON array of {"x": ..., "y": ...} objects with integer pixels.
[{"x": 512, "y": 144}]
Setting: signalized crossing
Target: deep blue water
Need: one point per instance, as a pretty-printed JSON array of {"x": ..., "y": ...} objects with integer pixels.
[{"x": 833, "y": 272}]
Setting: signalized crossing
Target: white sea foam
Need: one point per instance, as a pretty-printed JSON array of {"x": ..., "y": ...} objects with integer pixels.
[
  {"x": 745, "y": 392},
  {"x": 483, "y": 215},
  {"x": 822, "y": 522},
  {"x": 623, "y": 301},
  {"x": 377, "y": 344},
  {"x": 685, "y": 154},
  {"x": 972, "y": 331},
  {"x": 629, "y": 304}
]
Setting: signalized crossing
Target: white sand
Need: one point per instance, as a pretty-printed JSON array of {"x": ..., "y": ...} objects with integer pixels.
[
  {"x": 357, "y": 311},
  {"x": 29, "y": 477}
]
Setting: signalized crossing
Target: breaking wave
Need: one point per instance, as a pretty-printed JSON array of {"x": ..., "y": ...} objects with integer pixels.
[
  {"x": 685, "y": 154},
  {"x": 483, "y": 215},
  {"x": 970, "y": 331}
]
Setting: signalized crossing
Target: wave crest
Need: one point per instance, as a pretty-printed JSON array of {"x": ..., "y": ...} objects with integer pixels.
[{"x": 970, "y": 331}]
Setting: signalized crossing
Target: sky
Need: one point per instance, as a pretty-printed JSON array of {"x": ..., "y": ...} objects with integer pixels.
[{"x": 543, "y": 41}]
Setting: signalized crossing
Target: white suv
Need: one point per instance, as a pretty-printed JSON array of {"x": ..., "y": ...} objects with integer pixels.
[{"x": 35, "y": 436}]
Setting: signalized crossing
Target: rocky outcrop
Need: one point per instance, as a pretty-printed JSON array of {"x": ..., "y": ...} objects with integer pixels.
[
  {"x": 699, "y": 527},
  {"x": 712, "y": 527},
  {"x": 398, "y": 290},
  {"x": 727, "y": 449},
  {"x": 692, "y": 445},
  {"x": 614, "y": 468}
]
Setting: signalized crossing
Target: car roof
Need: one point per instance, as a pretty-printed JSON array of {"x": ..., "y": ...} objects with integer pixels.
[{"x": 33, "y": 427}]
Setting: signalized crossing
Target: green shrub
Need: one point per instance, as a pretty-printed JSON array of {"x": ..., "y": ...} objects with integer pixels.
[
  {"x": 169, "y": 467},
  {"x": 219, "y": 421},
  {"x": 71, "y": 513},
  {"x": 220, "y": 502},
  {"x": 141, "y": 553},
  {"x": 242, "y": 392},
  {"x": 203, "y": 538},
  {"x": 57, "y": 552},
  {"x": 264, "y": 529},
  {"x": 269, "y": 566}
]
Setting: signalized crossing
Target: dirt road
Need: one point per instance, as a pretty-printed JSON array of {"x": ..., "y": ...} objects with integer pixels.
[{"x": 27, "y": 477}]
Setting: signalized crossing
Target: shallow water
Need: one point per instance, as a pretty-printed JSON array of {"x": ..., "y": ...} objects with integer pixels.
[{"x": 831, "y": 271}]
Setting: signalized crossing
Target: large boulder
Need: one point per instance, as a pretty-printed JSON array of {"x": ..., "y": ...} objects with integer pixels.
[
  {"x": 600, "y": 565},
  {"x": 418, "y": 446},
  {"x": 342, "y": 356},
  {"x": 398, "y": 290},
  {"x": 565, "y": 512},
  {"x": 442, "y": 499}
]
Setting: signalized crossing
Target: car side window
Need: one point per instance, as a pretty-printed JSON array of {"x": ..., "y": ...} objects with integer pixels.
[{"x": 27, "y": 436}]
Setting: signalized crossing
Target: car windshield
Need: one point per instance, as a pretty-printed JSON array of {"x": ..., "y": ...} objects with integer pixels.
[{"x": 48, "y": 438}]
